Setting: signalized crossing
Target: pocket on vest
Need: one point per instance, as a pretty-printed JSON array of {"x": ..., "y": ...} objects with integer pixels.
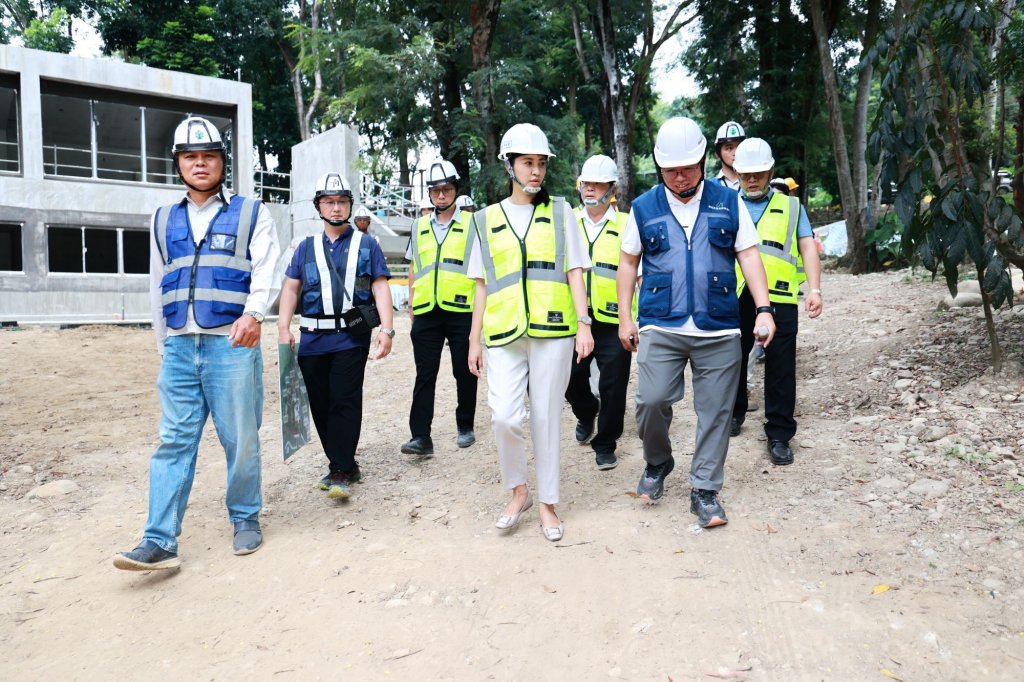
[
  {"x": 722, "y": 233},
  {"x": 228, "y": 279},
  {"x": 170, "y": 280},
  {"x": 656, "y": 295},
  {"x": 654, "y": 237},
  {"x": 310, "y": 275},
  {"x": 722, "y": 299}
]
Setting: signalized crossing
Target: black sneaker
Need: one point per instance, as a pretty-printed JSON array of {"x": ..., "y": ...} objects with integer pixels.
[
  {"x": 325, "y": 482},
  {"x": 652, "y": 481},
  {"x": 420, "y": 445},
  {"x": 148, "y": 556},
  {"x": 704, "y": 503},
  {"x": 780, "y": 452},
  {"x": 606, "y": 460},
  {"x": 466, "y": 438},
  {"x": 734, "y": 427},
  {"x": 585, "y": 430},
  {"x": 338, "y": 485}
]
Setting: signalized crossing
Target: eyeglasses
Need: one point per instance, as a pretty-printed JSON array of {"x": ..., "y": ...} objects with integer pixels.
[
  {"x": 336, "y": 203},
  {"x": 681, "y": 171},
  {"x": 444, "y": 189}
]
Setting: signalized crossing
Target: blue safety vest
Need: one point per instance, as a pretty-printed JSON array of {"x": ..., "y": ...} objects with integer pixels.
[
  {"x": 329, "y": 292},
  {"x": 212, "y": 276},
  {"x": 689, "y": 278}
]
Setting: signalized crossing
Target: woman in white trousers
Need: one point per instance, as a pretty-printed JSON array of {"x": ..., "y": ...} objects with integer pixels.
[{"x": 530, "y": 311}]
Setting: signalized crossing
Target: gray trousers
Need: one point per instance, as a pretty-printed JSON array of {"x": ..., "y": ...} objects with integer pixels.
[{"x": 715, "y": 361}]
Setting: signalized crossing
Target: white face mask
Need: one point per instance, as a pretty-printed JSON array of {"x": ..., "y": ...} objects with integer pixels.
[{"x": 756, "y": 195}]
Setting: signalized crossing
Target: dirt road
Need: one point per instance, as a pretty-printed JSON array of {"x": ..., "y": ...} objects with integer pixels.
[{"x": 892, "y": 549}]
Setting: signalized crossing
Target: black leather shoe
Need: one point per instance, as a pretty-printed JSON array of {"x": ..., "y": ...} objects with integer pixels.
[
  {"x": 420, "y": 445},
  {"x": 465, "y": 438},
  {"x": 734, "y": 427},
  {"x": 780, "y": 452},
  {"x": 652, "y": 481},
  {"x": 585, "y": 430}
]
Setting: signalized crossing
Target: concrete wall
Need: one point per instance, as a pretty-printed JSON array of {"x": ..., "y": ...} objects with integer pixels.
[
  {"x": 33, "y": 200},
  {"x": 334, "y": 151}
]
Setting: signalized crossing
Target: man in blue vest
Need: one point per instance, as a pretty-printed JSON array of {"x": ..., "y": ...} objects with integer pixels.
[
  {"x": 690, "y": 235},
  {"x": 336, "y": 281},
  {"x": 211, "y": 268},
  {"x": 789, "y": 254}
]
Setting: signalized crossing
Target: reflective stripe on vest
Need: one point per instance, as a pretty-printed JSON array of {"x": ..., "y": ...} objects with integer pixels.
[
  {"x": 321, "y": 305},
  {"x": 213, "y": 276},
  {"x": 780, "y": 253},
  {"x": 440, "y": 271},
  {"x": 327, "y": 282},
  {"x": 605, "y": 251},
  {"x": 527, "y": 288}
]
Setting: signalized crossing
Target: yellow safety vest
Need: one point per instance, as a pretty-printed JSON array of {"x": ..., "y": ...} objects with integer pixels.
[
  {"x": 527, "y": 290},
  {"x": 780, "y": 254},
  {"x": 605, "y": 250},
  {"x": 440, "y": 270}
]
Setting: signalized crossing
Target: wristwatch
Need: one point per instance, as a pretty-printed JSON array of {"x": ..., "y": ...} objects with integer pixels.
[
  {"x": 585, "y": 319},
  {"x": 766, "y": 309},
  {"x": 816, "y": 291},
  {"x": 254, "y": 315},
  {"x": 390, "y": 332}
]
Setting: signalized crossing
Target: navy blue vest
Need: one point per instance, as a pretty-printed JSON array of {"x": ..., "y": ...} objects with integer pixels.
[
  {"x": 689, "y": 278},
  {"x": 213, "y": 276},
  {"x": 312, "y": 288}
]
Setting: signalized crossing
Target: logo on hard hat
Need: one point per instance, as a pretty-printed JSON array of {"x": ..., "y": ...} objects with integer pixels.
[
  {"x": 199, "y": 135},
  {"x": 334, "y": 183},
  {"x": 733, "y": 131}
]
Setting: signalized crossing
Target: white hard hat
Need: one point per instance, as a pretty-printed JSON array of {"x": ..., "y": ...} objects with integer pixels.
[
  {"x": 442, "y": 173},
  {"x": 425, "y": 203},
  {"x": 332, "y": 185},
  {"x": 730, "y": 131},
  {"x": 464, "y": 201},
  {"x": 679, "y": 143},
  {"x": 196, "y": 134},
  {"x": 361, "y": 212},
  {"x": 599, "y": 168},
  {"x": 524, "y": 138},
  {"x": 753, "y": 156}
]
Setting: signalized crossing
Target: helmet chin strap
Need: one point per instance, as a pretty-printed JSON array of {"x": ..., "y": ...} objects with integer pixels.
[
  {"x": 333, "y": 223},
  {"x": 511, "y": 174},
  {"x": 687, "y": 193},
  {"x": 442, "y": 209}
]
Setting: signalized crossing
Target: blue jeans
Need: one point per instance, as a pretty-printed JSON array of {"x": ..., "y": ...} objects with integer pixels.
[{"x": 202, "y": 374}]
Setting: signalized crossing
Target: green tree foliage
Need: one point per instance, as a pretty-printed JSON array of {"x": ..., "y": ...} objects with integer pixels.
[
  {"x": 937, "y": 71},
  {"x": 52, "y": 34}
]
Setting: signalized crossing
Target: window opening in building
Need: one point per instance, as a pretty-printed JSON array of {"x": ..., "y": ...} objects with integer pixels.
[
  {"x": 10, "y": 125},
  {"x": 97, "y": 250},
  {"x": 108, "y": 135},
  {"x": 10, "y": 247}
]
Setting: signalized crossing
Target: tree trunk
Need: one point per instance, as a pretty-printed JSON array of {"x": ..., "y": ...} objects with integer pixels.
[
  {"x": 621, "y": 132},
  {"x": 484, "y": 19},
  {"x": 1018, "y": 157},
  {"x": 860, "y": 116},
  {"x": 853, "y": 212}
]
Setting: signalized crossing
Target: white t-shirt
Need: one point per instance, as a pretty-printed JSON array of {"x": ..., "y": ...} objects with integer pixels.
[
  {"x": 519, "y": 217},
  {"x": 686, "y": 215}
]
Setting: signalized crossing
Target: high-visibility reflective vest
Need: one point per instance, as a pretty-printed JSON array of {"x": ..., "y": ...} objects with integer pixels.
[
  {"x": 326, "y": 294},
  {"x": 780, "y": 253},
  {"x": 212, "y": 276},
  {"x": 527, "y": 289},
  {"x": 440, "y": 269},
  {"x": 604, "y": 256}
]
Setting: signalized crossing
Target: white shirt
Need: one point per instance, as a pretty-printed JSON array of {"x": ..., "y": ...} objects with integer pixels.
[
  {"x": 519, "y": 217},
  {"x": 731, "y": 184},
  {"x": 440, "y": 229},
  {"x": 686, "y": 215},
  {"x": 264, "y": 250},
  {"x": 594, "y": 228}
]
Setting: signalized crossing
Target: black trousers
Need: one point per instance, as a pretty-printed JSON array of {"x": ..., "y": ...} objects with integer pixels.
[
  {"x": 429, "y": 332},
  {"x": 779, "y": 368},
  {"x": 334, "y": 383},
  {"x": 613, "y": 362}
]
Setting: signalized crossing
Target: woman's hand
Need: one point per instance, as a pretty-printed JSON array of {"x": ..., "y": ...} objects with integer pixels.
[{"x": 584, "y": 341}]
